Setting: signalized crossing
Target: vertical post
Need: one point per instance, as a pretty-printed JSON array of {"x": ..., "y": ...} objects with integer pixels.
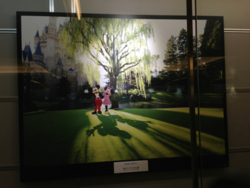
[
  {"x": 191, "y": 95},
  {"x": 73, "y": 6},
  {"x": 51, "y": 5}
]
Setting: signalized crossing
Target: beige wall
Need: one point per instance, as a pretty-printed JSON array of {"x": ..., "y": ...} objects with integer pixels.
[{"x": 237, "y": 46}]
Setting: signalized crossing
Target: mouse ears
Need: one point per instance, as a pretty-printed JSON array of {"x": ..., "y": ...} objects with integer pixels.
[
  {"x": 98, "y": 87},
  {"x": 109, "y": 88}
]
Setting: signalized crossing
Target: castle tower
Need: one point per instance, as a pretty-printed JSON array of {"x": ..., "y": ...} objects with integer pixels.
[
  {"x": 52, "y": 25},
  {"x": 51, "y": 35},
  {"x": 59, "y": 69},
  {"x": 27, "y": 54},
  {"x": 38, "y": 57},
  {"x": 36, "y": 39}
]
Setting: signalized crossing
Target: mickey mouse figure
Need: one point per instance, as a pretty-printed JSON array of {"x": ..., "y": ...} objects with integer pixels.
[{"x": 98, "y": 99}]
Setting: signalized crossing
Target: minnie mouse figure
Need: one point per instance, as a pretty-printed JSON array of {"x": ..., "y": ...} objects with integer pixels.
[
  {"x": 98, "y": 99},
  {"x": 107, "y": 101}
]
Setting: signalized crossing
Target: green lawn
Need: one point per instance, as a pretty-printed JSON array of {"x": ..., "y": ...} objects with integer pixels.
[
  {"x": 211, "y": 97},
  {"x": 50, "y": 135},
  {"x": 162, "y": 95},
  {"x": 44, "y": 103},
  {"x": 204, "y": 97},
  {"x": 77, "y": 136}
]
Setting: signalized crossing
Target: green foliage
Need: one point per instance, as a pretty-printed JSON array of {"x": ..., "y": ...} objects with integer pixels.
[
  {"x": 212, "y": 39},
  {"x": 182, "y": 44},
  {"x": 90, "y": 70},
  {"x": 117, "y": 45},
  {"x": 63, "y": 87},
  {"x": 84, "y": 91},
  {"x": 119, "y": 80},
  {"x": 177, "y": 48},
  {"x": 133, "y": 91},
  {"x": 163, "y": 96},
  {"x": 119, "y": 91},
  {"x": 197, "y": 46},
  {"x": 175, "y": 61},
  {"x": 170, "y": 55}
]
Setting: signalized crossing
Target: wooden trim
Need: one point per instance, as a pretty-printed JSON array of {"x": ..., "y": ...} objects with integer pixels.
[
  {"x": 9, "y": 167},
  {"x": 239, "y": 150},
  {"x": 236, "y": 30},
  {"x": 239, "y": 90},
  {"x": 9, "y": 99},
  {"x": 242, "y": 90},
  {"x": 8, "y": 30}
]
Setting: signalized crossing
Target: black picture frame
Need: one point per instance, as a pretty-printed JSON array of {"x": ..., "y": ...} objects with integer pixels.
[{"x": 48, "y": 172}]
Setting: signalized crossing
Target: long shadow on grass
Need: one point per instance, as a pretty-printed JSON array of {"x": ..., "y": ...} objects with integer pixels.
[
  {"x": 209, "y": 124},
  {"x": 177, "y": 145},
  {"x": 108, "y": 127}
]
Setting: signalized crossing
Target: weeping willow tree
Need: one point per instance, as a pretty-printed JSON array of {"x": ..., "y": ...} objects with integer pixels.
[{"x": 119, "y": 46}]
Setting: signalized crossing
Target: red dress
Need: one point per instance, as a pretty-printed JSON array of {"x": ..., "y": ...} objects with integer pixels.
[{"x": 106, "y": 99}]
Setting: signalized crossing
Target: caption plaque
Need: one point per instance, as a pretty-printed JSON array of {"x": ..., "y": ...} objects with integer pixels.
[{"x": 130, "y": 166}]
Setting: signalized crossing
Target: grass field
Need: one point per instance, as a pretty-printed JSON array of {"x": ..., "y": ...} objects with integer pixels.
[
  {"x": 77, "y": 136},
  {"x": 162, "y": 95},
  {"x": 204, "y": 97}
]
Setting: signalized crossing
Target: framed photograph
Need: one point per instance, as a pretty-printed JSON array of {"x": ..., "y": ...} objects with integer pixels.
[{"x": 108, "y": 94}]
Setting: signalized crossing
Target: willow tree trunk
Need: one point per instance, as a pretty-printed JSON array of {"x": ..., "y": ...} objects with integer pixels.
[
  {"x": 114, "y": 101},
  {"x": 114, "y": 97}
]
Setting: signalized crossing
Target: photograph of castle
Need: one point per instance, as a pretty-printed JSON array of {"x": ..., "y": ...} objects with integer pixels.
[
  {"x": 51, "y": 60},
  {"x": 116, "y": 89}
]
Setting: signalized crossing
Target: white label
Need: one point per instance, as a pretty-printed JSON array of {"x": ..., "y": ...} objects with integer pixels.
[{"x": 130, "y": 166}]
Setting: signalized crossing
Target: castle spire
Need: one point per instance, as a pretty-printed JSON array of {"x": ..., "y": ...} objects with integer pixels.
[
  {"x": 38, "y": 50},
  {"x": 27, "y": 53},
  {"x": 37, "y": 34},
  {"x": 59, "y": 62}
]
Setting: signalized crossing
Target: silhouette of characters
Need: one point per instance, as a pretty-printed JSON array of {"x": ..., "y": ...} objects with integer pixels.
[
  {"x": 97, "y": 98},
  {"x": 108, "y": 126}
]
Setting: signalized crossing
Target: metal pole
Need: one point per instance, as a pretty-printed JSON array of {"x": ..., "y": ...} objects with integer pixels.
[
  {"x": 198, "y": 95},
  {"x": 73, "y": 6},
  {"x": 191, "y": 95},
  {"x": 51, "y": 5}
]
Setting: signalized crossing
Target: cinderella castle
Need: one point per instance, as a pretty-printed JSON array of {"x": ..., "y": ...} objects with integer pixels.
[{"x": 50, "y": 60}]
